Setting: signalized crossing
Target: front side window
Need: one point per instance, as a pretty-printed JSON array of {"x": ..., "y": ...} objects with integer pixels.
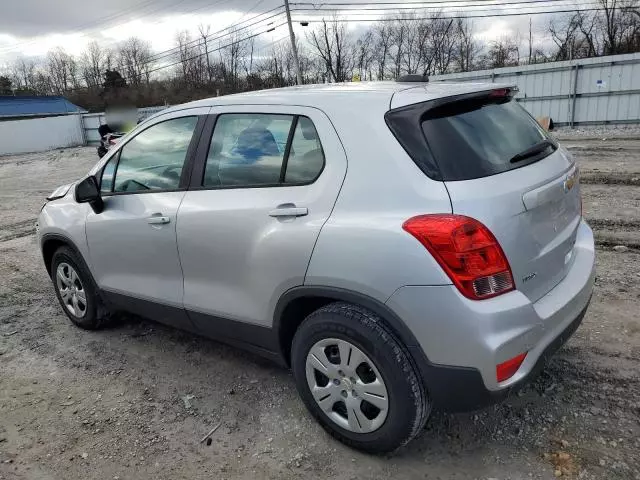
[
  {"x": 249, "y": 150},
  {"x": 153, "y": 160}
]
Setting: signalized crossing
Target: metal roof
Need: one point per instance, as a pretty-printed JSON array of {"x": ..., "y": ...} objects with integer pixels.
[
  {"x": 32, "y": 105},
  {"x": 363, "y": 97}
]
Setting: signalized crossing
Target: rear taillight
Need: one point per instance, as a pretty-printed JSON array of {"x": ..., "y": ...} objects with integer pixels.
[{"x": 467, "y": 251}]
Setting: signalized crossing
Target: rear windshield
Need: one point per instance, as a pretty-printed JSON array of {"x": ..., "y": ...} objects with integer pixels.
[{"x": 480, "y": 137}]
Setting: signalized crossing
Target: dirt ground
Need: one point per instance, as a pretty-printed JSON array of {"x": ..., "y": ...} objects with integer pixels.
[{"x": 134, "y": 401}]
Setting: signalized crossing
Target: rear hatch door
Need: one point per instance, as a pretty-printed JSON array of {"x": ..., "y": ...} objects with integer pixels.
[{"x": 501, "y": 168}]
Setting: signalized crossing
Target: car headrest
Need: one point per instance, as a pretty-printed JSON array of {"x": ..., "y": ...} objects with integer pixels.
[{"x": 257, "y": 142}]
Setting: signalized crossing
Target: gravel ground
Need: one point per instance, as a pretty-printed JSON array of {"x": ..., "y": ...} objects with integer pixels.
[
  {"x": 599, "y": 131},
  {"x": 134, "y": 400}
]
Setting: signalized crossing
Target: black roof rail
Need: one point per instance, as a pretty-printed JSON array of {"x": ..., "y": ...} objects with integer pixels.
[{"x": 412, "y": 78}]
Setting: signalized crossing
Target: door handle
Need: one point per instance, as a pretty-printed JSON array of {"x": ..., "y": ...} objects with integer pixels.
[
  {"x": 289, "y": 211},
  {"x": 158, "y": 220}
]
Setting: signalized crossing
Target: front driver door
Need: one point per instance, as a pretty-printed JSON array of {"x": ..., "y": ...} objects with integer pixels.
[{"x": 132, "y": 243}]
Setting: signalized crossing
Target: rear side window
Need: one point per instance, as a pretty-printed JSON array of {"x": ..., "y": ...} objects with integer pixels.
[
  {"x": 476, "y": 139},
  {"x": 305, "y": 157},
  {"x": 256, "y": 149}
]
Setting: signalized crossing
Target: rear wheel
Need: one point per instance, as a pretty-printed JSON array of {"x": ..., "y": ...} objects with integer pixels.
[
  {"x": 357, "y": 379},
  {"x": 75, "y": 289}
]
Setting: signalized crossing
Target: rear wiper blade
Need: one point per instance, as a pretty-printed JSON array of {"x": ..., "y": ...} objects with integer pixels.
[{"x": 532, "y": 151}]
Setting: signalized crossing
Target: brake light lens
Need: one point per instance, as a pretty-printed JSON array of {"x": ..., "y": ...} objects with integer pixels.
[
  {"x": 503, "y": 92},
  {"x": 506, "y": 370},
  {"x": 467, "y": 251}
]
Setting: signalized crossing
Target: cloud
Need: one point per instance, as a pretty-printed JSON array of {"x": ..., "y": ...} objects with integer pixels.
[{"x": 31, "y": 27}]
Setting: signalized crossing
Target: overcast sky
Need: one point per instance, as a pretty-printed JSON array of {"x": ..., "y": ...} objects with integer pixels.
[{"x": 32, "y": 27}]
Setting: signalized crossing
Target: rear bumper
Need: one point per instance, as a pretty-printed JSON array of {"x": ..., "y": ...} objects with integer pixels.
[
  {"x": 463, "y": 389},
  {"x": 464, "y": 340}
]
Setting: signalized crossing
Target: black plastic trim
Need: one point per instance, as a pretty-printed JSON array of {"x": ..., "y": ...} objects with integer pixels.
[
  {"x": 248, "y": 336},
  {"x": 287, "y": 148},
  {"x": 202, "y": 152},
  {"x": 253, "y": 338},
  {"x": 341, "y": 294},
  {"x": 47, "y": 237},
  {"x": 167, "y": 314}
]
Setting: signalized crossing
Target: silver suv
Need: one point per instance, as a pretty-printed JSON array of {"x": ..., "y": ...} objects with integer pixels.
[{"x": 401, "y": 246}]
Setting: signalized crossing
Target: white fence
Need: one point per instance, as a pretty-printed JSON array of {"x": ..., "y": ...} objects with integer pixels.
[
  {"x": 91, "y": 122},
  {"x": 586, "y": 91},
  {"x": 40, "y": 134}
]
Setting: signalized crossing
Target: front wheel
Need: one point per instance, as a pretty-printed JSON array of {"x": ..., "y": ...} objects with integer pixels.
[
  {"x": 76, "y": 290},
  {"x": 357, "y": 379}
]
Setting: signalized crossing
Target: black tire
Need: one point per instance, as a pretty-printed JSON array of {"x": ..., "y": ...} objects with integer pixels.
[
  {"x": 96, "y": 314},
  {"x": 409, "y": 406}
]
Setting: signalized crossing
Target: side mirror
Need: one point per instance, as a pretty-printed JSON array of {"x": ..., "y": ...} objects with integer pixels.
[{"x": 87, "y": 191}]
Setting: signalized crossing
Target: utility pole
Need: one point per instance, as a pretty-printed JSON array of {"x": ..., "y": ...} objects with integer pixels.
[{"x": 294, "y": 48}]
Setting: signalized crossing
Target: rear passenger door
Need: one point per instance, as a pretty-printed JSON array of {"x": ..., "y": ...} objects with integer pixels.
[{"x": 264, "y": 183}]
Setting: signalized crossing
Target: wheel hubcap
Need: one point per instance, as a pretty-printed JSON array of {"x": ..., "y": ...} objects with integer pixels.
[
  {"x": 347, "y": 386},
  {"x": 71, "y": 290}
]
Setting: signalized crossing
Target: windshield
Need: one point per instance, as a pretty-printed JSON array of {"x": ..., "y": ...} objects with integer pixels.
[{"x": 477, "y": 138}]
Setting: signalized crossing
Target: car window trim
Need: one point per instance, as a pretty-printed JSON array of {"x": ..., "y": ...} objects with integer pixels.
[
  {"x": 197, "y": 176},
  {"x": 187, "y": 167},
  {"x": 287, "y": 148}
]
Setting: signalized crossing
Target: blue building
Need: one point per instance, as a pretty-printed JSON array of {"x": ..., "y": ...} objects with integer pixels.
[{"x": 30, "y": 106}]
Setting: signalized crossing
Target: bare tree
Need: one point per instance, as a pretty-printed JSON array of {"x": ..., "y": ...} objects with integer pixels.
[
  {"x": 135, "y": 60},
  {"x": 503, "y": 52},
  {"x": 364, "y": 55},
  {"x": 94, "y": 61},
  {"x": 444, "y": 40},
  {"x": 23, "y": 73},
  {"x": 233, "y": 51},
  {"x": 62, "y": 70},
  {"x": 331, "y": 42},
  {"x": 193, "y": 67},
  {"x": 382, "y": 49},
  {"x": 468, "y": 47},
  {"x": 204, "y": 35}
]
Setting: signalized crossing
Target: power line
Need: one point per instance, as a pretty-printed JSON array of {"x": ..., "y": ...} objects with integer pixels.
[
  {"x": 420, "y": 4},
  {"x": 469, "y": 6},
  {"x": 388, "y": 19},
  {"x": 199, "y": 41},
  {"x": 202, "y": 54},
  {"x": 148, "y": 72}
]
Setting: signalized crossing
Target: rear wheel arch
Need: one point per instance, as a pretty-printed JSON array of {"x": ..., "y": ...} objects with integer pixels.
[{"x": 299, "y": 302}]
